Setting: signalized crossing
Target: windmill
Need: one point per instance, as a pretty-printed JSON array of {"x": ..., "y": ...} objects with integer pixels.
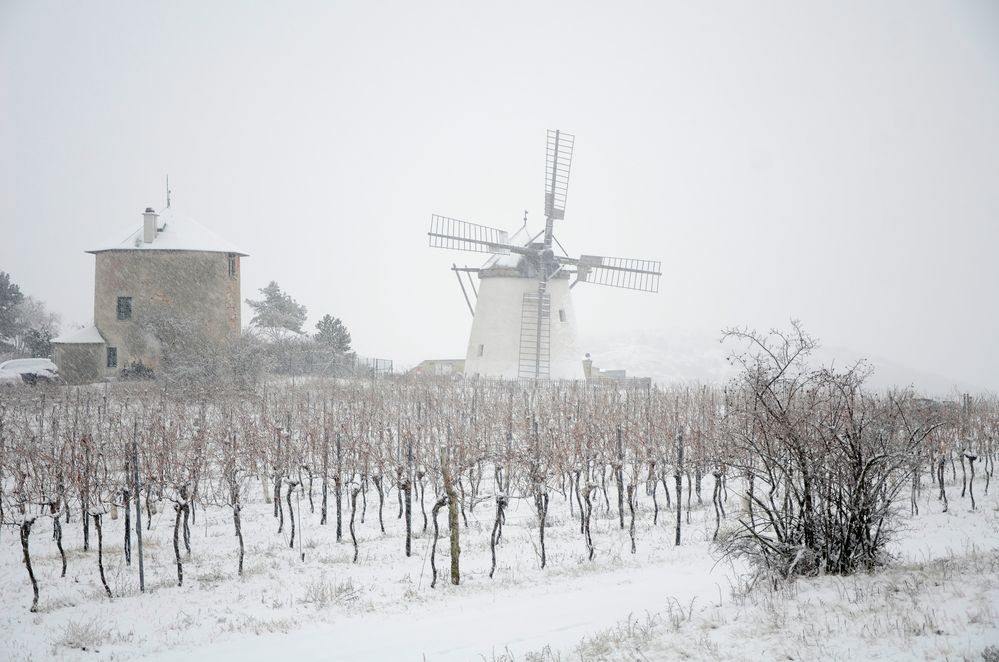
[{"x": 514, "y": 333}]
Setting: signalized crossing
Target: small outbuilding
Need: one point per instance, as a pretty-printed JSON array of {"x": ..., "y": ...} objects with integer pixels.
[{"x": 79, "y": 355}]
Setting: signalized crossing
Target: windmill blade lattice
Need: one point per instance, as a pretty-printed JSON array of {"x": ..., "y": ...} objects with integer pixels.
[
  {"x": 557, "y": 165},
  {"x": 463, "y": 236},
  {"x": 626, "y": 273}
]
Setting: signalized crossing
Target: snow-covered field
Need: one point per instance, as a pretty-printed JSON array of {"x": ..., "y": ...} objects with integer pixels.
[{"x": 940, "y": 601}]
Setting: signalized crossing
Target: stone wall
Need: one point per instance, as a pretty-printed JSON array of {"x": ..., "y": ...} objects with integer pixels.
[{"x": 189, "y": 289}]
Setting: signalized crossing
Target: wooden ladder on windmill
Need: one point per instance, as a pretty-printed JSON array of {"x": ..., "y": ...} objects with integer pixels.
[{"x": 535, "y": 336}]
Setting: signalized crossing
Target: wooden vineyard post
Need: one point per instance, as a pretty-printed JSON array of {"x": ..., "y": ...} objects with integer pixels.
[
  {"x": 452, "y": 517},
  {"x": 619, "y": 476},
  {"x": 138, "y": 509},
  {"x": 679, "y": 482}
]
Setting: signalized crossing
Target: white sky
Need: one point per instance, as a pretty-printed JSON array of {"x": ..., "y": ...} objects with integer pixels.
[{"x": 836, "y": 162}]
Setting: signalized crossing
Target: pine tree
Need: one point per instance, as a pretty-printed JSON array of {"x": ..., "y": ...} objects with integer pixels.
[
  {"x": 333, "y": 334},
  {"x": 277, "y": 310},
  {"x": 10, "y": 299},
  {"x": 38, "y": 342}
]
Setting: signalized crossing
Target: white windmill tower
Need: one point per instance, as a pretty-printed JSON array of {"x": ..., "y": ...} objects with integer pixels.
[{"x": 524, "y": 325}]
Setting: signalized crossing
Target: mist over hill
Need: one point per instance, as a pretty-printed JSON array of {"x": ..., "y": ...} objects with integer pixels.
[{"x": 689, "y": 356}]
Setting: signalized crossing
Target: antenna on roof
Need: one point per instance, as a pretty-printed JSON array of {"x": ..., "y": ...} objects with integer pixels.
[{"x": 168, "y": 190}]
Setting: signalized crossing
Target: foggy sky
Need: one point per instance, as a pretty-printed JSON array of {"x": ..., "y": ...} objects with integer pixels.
[{"x": 833, "y": 162}]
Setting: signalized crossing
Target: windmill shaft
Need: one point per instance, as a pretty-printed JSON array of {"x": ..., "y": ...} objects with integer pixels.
[{"x": 461, "y": 243}]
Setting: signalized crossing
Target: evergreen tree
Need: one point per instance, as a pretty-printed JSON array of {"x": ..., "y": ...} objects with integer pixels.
[
  {"x": 277, "y": 310},
  {"x": 10, "y": 299},
  {"x": 38, "y": 342},
  {"x": 333, "y": 334}
]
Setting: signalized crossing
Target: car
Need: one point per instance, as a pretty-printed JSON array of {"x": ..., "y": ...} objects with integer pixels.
[
  {"x": 9, "y": 378},
  {"x": 28, "y": 371}
]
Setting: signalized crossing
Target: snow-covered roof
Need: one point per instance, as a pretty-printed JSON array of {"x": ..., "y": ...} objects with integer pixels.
[
  {"x": 175, "y": 232},
  {"x": 521, "y": 237},
  {"x": 88, "y": 336}
]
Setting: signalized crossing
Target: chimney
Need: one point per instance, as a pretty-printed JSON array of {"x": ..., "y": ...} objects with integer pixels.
[{"x": 149, "y": 225}]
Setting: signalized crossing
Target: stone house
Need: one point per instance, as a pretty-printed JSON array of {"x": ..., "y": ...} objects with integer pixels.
[{"x": 170, "y": 273}]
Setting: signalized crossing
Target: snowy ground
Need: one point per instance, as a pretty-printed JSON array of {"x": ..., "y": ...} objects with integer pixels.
[{"x": 942, "y": 601}]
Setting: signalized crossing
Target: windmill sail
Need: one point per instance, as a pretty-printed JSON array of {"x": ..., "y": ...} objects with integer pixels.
[
  {"x": 626, "y": 273},
  {"x": 463, "y": 236},
  {"x": 558, "y": 162}
]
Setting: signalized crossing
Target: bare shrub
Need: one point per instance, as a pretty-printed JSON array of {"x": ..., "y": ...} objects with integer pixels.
[{"x": 826, "y": 459}]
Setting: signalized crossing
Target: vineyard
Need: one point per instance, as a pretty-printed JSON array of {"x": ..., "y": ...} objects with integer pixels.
[{"x": 785, "y": 471}]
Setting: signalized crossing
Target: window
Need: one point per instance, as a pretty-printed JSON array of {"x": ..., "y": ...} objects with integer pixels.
[
  {"x": 233, "y": 265},
  {"x": 482, "y": 348},
  {"x": 112, "y": 357},
  {"x": 561, "y": 315},
  {"x": 124, "y": 308}
]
